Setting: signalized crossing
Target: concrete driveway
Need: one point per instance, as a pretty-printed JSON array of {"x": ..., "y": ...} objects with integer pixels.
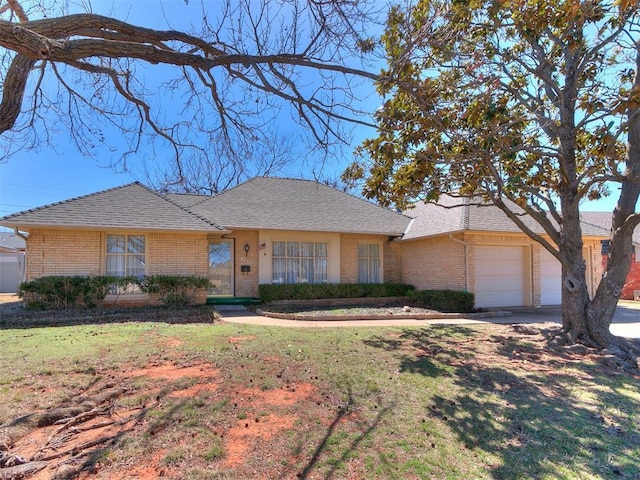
[{"x": 626, "y": 321}]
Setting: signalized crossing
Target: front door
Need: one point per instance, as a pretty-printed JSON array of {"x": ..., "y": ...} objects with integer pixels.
[{"x": 221, "y": 267}]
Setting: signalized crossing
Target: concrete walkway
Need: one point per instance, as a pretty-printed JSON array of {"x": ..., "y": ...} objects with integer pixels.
[{"x": 626, "y": 321}]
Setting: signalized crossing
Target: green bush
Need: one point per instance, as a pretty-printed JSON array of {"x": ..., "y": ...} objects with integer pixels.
[
  {"x": 309, "y": 291},
  {"x": 174, "y": 290},
  {"x": 443, "y": 300},
  {"x": 54, "y": 292}
]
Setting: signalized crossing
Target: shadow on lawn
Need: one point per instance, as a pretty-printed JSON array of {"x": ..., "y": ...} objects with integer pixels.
[
  {"x": 365, "y": 430},
  {"x": 544, "y": 413}
]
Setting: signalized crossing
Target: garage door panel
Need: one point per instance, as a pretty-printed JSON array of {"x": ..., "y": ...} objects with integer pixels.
[
  {"x": 550, "y": 279},
  {"x": 500, "y": 276}
]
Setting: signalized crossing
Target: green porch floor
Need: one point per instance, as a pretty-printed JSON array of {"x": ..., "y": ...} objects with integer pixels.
[{"x": 233, "y": 301}]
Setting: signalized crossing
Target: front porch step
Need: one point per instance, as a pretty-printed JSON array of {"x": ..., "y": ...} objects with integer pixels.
[{"x": 233, "y": 301}]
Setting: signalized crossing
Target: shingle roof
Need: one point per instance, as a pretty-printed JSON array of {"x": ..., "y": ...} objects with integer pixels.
[
  {"x": 603, "y": 220},
  {"x": 452, "y": 215},
  {"x": 186, "y": 200},
  {"x": 131, "y": 206},
  {"x": 10, "y": 241},
  {"x": 293, "y": 204}
]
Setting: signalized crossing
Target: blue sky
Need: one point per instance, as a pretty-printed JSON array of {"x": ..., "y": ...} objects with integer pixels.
[{"x": 31, "y": 179}]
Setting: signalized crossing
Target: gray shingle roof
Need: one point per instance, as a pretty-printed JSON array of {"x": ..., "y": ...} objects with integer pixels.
[
  {"x": 10, "y": 241},
  {"x": 603, "y": 220},
  {"x": 186, "y": 200},
  {"x": 292, "y": 204},
  {"x": 452, "y": 215},
  {"x": 131, "y": 206}
]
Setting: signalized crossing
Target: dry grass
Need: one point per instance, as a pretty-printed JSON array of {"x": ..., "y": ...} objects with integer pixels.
[{"x": 203, "y": 401}]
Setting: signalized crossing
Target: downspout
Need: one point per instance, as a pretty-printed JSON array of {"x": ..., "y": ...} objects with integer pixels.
[{"x": 466, "y": 262}]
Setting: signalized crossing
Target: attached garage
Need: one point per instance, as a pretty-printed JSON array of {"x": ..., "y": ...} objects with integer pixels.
[
  {"x": 550, "y": 279},
  {"x": 501, "y": 276}
]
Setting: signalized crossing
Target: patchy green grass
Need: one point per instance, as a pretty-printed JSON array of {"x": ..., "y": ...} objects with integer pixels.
[{"x": 440, "y": 402}]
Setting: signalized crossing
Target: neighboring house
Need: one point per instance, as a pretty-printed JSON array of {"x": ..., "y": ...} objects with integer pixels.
[
  {"x": 277, "y": 230},
  {"x": 631, "y": 289},
  {"x": 462, "y": 246},
  {"x": 267, "y": 230},
  {"x": 12, "y": 248}
]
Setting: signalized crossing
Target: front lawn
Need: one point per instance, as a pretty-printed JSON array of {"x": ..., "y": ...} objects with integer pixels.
[{"x": 220, "y": 401}]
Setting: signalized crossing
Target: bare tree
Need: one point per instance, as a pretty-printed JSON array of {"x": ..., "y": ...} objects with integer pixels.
[
  {"x": 222, "y": 169},
  {"x": 249, "y": 64}
]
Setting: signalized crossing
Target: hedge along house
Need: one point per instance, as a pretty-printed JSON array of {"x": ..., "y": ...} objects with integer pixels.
[
  {"x": 461, "y": 246},
  {"x": 266, "y": 230}
]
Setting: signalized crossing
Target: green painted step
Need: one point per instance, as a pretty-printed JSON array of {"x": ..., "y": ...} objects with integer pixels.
[{"x": 233, "y": 301}]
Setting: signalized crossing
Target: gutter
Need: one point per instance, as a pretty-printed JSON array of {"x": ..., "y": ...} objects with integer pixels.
[{"x": 18, "y": 234}]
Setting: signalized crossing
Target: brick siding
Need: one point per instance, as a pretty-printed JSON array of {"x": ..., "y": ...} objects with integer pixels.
[
  {"x": 632, "y": 283},
  {"x": 434, "y": 263},
  {"x": 82, "y": 252},
  {"x": 391, "y": 263}
]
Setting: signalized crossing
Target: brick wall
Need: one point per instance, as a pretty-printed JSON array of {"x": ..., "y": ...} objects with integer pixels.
[
  {"x": 632, "y": 284},
  {"x": 177, "y": 254},
  {"x": 434, "y": 263},
  {"x": 63, "y": 252},
  {"x": 393, "y": 261},
  {"x": 390, "y": 256},
  {"x": 82, "y": 252}
]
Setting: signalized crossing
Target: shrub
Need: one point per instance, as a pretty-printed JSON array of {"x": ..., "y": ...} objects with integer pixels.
[
  {"x": 443, "y": 300},
  {"x": 174, "y": 290},
  {"x": 54, "y": 292},
  {"x": 309, "y": 291}
]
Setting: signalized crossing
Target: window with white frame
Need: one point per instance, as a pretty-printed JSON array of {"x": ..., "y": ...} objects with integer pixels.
[
  {"x": 125, "y": 257},
  {"x": 299, "y": 262},
  {"x": 369, "y": 263}
]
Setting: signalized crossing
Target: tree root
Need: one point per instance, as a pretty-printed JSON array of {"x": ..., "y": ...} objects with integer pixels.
[
  {"x": 618, "y": 351},
  {"x": 63, "y": 444},
  {"x": 23, "y": 470}
]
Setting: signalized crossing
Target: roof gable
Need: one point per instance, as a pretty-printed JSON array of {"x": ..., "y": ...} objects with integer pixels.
[
  {"x": 294, "y": 204},
  {"x": 131, "y": 206}
]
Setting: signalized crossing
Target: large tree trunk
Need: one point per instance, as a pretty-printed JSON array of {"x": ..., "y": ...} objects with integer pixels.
[
  {"x": 601, "y": 309},
  {"x": 584, "y": 320}
]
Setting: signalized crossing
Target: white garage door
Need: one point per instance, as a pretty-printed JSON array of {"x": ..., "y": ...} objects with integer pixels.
[
  {"x": 550, "y": 279},
  {"x": 500, "y": 276}
]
